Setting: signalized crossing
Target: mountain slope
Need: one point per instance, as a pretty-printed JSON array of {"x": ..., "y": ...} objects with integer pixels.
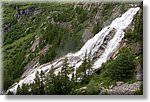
[
  {"x": 57, "y": 35},
  {"x": 75, "y": 60}
]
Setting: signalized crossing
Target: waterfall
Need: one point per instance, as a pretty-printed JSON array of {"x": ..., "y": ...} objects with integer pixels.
[{"x": 107, "y": 41}]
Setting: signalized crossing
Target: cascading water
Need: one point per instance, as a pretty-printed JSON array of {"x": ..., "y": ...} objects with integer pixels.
[{"x": 91, "y": 47}]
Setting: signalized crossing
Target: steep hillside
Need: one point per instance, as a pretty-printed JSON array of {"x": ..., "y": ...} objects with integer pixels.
[{"x": 40, "y": 36}]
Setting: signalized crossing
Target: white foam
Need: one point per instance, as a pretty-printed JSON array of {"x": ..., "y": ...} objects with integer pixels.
[{"x": 90, "y": 47}]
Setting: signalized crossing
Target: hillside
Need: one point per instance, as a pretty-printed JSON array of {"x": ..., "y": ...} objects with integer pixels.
[{"x": 63, "y": 48}]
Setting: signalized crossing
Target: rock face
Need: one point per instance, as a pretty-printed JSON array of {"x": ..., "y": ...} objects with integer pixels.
[
  {"x": 136, "y": 48},
  {"x": 97, "y": 17},
  {"x": 30, "y": 66},
  {"x": 87, "y": 34},
  {"x": 139, "y": 72},
  {"x": 26, "y": 12},
  {"x": 121, "y": 89},
  {"x": 107, "y": 38},
  {"x": 35, "y": 44}
]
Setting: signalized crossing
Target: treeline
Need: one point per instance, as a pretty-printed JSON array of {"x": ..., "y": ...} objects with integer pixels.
[
  {"x": 64, "y": 83},
  {"x": 68, "y": 81}
]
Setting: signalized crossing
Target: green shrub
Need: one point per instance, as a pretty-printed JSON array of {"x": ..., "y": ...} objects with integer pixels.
[
  {"x": 92, "y": 88},
  {"x": 122, "y": 68}
]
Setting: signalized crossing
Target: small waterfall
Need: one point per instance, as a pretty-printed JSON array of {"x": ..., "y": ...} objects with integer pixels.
[{"x": 107, "y": 41}]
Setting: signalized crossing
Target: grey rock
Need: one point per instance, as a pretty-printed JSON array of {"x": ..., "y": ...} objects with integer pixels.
[
  {"x": 121, "y": 89},
  {"x": 119, "y": 83},
  {"x": 87, "y": 34}
]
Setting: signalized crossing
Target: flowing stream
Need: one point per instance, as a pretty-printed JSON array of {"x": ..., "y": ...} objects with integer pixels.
[{"x": 100, "y": 48}]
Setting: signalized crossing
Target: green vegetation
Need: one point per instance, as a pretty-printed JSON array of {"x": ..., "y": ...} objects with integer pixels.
[
  {"x": 140, "y": 91},
  {"x": 107, "y": 10},
  {"x": 97, "y": 28},
  {"x": 85, "y": 71},
  {"x": 59, "y": 84},
  {"x": 61, "y": 26},
  {"x": 120, "y": 69},
  {"x": 25, "y": 21}
]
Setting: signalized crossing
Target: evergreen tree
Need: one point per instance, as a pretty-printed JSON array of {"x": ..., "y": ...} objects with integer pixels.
[
  {"x": 122, "y": 68},
  {"x": 23, "y": 90},
  {"x": 84, "y": 71},
  {"x": 97, "y": 27},
  {"x": 66, "y": 83},
  {"x": 50, "y": 79},
  {"x": 37, "y": 88}
]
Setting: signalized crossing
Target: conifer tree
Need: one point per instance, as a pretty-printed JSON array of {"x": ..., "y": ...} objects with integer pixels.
[
  {"x": 66, "y": 83},
  {"x": 37, "y": 88},
  {"x": 50, "y": 79},
  {"x": 23, "y": 90},
  {"x": 85, "y": 70}
]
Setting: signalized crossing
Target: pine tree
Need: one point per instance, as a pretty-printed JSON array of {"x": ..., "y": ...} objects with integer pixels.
[
  {"x": 23, "y": 90},
  {"x": 37, "y": 88},
  {"x": 50, "y": 79},
  {"x": 58, "y": 85},
  {"x": 97, "y": 27},
  {"x": 66, "y": 83},
  {"x": 85, "y": 70}
]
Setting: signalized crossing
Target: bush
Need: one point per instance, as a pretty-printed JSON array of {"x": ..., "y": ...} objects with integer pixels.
[
  {"x": 122, "y": 68},
  {"x": 92, "y": 88},
  {"x": 97, "y": 28}
]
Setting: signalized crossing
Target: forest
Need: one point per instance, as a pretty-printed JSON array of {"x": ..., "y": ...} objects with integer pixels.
[{"x": 48, "y": 31}]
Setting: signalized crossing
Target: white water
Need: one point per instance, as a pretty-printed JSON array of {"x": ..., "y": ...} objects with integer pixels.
[{"x": 91, "y": 47}]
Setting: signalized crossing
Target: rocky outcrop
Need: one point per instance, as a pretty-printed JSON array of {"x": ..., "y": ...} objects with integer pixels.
[
  {"x": 87, "y": 34},
  {"x": 121, "y": 88},
  {"x": 30, "y": 66},
  {"x": 136, "y": 48},
  {"x": 26, "y": 12},
  {"x": 91, "y": 46},
  {"x": 45, "y": 49},
  {"x": 35, "y": 43},
  {"x": 105, "y": 43},
  {"x": 139, "y": 72}
]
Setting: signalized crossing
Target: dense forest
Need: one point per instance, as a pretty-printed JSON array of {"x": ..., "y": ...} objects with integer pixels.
[{"x": 43, "y": 32}]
